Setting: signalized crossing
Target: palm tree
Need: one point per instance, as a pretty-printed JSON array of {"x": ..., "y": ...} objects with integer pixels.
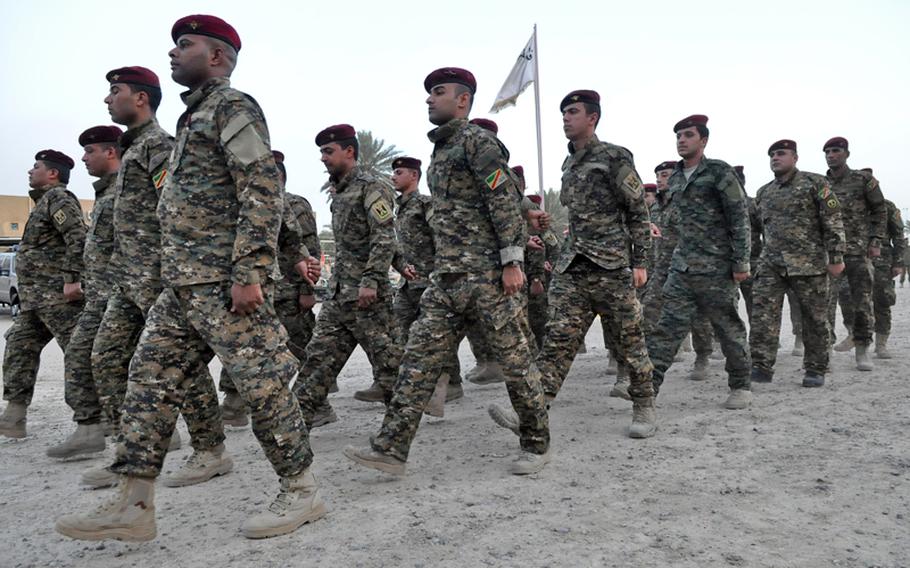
[
  {"x": 373, "y": 157},
  {"x": 559, "y": 215}
]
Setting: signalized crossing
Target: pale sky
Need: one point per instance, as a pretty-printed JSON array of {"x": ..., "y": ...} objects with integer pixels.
[{"x": 762, "y": 71}]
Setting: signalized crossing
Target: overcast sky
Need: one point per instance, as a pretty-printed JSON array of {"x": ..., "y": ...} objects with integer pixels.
[{"x": 806, "y": 70}]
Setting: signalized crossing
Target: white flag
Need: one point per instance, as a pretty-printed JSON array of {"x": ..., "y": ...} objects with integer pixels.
[{"x": 523, "y": 74}]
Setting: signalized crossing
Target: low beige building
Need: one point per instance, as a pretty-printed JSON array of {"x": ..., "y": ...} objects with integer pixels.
[{"x": 14, "y": 211}]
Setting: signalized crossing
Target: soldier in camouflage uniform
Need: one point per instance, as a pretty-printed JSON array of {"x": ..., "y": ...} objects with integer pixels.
[
  {"x": 602, "y": 263},
  {"x": 358, "y": 309},
  {"x": 539, "y": 261},
  {"x": 709, "y": 261},
  {"x": 49, "y": 264},
  {"x": 480, "y": 236},
  {"x": 800, "y": 220},
  {"x": 220, "y": 213},
  {"x": 102, "y": 160},
  {"x": 414, "y": 261},
  {"x": 294, "y": 296},
  {"x": 865, "y": 227},
  {"x": 887, "y": 267},
  {"x": 133, "y": 97}
]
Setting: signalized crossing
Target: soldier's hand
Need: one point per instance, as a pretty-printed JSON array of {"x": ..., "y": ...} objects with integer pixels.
[
  {"x": 540, "y": 220},
  {"x": 655, "y": 231},
  {"x": 536, "y": 287},
  {"x": 547, "y": 266},
  {"x": 513, "y": 278},
  {"x": 306, "y": 301},
  {"x": 246, "y": 299},
  {"x": 740, "y": 276},
  {"x": 639, "y": 277},
  {"x": 366, "y": 297},
  {"x": 302, "y": 268},
  {"x": 875, "y": 252},
  {"x": 897, "y": 271},
  {"x": 315, "y": 269},
  {"x": 409, "y": 273},
  {"x": 72, "y": 291},
  {"x": 835, "y": 269},
  {"x": 535, "y": 242}
]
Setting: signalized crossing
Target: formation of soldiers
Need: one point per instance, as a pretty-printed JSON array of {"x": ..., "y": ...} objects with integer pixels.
[{"x": 195, "y": 250}]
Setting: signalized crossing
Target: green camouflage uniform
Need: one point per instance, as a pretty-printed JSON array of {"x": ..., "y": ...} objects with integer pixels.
[
  {"x": 362, "y": 222},
  {"x": 892, "y": 257},
  {"x": 609, "y": 234},
  {"x": 80, "y": 392},
  {"x": 535, "y": 269},
  {"x": 50, "y": 254},
  {"x": 710, "y": 212},
  {"x": 800, "y": 219},
  {"x": 477, "y": 229},
  {"x": 220, "y": 213},
  {"x": 416, "y": 248},
  {"x": 865, "y": 225}
]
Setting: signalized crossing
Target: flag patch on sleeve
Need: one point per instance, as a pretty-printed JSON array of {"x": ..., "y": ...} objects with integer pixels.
[
  {"x": 158, "y": 179},
  {"x": 495, "y": 179}
]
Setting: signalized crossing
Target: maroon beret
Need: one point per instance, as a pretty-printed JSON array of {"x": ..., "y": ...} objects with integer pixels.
[
  {"x": 519, "y": 171},
  {"x": 738, "y": 170},
  {"x": 56, "y": 157},
  {"x": 486, "y": 124},
  {"x": 406, "y": 162},
  {"x": 668, "y": 165},
  {"x": 689, "y": 121},
  {"x": 335, "y": 133},
  {"x": 210, "y": 26},
  {"x": 536, "y": 198},
  {"x": 450, "y": 75},
  {"x": 867, "y": 170},
  {"x": 837, "y": 142},
  {"x": 650, "y": 188},
  {"x": 100, "y": 135},
  {"x": 782, "y": 145},
  {"x": 133, "y": 76},
  {"x": 582, "y": 96},
  {"x": 279, "y": 156}
]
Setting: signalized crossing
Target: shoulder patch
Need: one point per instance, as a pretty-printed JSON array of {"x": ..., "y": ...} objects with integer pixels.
[
  {"x": 381, "y": 210},
  {"x": 60, "y": 217},
  {"x": 495, "y": 179},
  {"x": 632, "y": 183},
  {"x": 158, "y": 179},
  {"x": 825, "y": 192},
  {"x": 872, "y": 184},
  {"x": 832, "y": 202}
]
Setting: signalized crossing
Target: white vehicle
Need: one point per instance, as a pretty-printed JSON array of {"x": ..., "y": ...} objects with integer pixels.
[{"x": 9, "y": 283}]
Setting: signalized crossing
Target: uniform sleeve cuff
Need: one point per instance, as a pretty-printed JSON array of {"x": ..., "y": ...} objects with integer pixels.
[
  {"x": 835, "y": 258},
  {"x": 245, "y": 276},
  {"x": 511, "y": 254},
  {"x": 744, "y": 267},
  {"x": 875, "y": 243},
  {"x": 369, "y": 283},
  {"x": 70, "y": 277}
]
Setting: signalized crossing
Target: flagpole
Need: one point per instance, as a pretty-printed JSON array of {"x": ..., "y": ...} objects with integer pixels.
[{"x": 537, "y": 113}]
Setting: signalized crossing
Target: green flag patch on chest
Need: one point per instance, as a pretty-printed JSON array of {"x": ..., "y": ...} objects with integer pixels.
[{"x": 496, "y": 179}]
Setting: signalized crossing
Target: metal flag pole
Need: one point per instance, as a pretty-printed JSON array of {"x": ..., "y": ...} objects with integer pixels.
[{"x": 537, "y": 113}]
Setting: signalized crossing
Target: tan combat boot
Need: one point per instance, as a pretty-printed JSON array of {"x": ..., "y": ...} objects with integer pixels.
[
  {"x": 686, "y": 346},
  {"x": 505, "y": 417},
  {"x": 454, "y": 391},
  {"x": 845, "y": 345},
  {"x": 129, "y": 515},
  {"x": 700, "y": 369},
  {"x": 739, "y": 399},
  {"x": 644, "y": 417},
  {"x": 863, "y": 363},
  {"x": 200, "y": 467},
  {"x": 881, "y": 346},
  {"x": 528, "y": 463},
  {"x": 99, "y": 477},
  {"x": 87, "y": 439},
  {"x": 12, "y": 422},
  {"x": 325, "y": 414},
  {"x": 233, "y": 411},
  {"x": 436, "y": 406},
  {"x": 298, "y": 502},
  {"x": 621, "y": 387},
  {"x": 798, "y": 348},
  {"x": 492, "y": 373},
  {"x": 381, "y": 461},
  {"x": 372, "y": 394}
]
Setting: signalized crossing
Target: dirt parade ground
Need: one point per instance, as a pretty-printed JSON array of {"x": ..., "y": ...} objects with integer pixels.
[{"x": 806, "y": 477}]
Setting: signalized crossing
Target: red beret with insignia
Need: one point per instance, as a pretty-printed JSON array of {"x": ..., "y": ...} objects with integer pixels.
[
  {"x": 668, "y": 165},
  {"x": 582, "y": 96},
  {"x": 650, "y": 188},
  {"x": 519, "y": 171},
  {"x": 782, "y": 145},
  {"x": 100, "y": 135},
  {"x": 689, "y": 121},
  {"x": 837, "y": 142},
  {"x": 450, "y": 75},
  {"x": 133, "y": 76},
  {"x": 486, "y": 124},
  {"x": 406, "y": 162},
  {"x": 536, "y": 198},
  {"x": 56, "y": 157},
  {"x": 210, "y": 26},
  {"x": 279, "y": 156},
  {"x": 335, "y": 133}
]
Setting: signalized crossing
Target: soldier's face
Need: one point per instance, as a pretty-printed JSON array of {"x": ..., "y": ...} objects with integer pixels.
[
  {"x": 334, "y": 158},
  {"x": 190, "y": 60},
  {"x": 442, "y": 103},
  {"x": 576, "y": 122},
  {"x": 39, "y": 175},
  {"x": 95, "y": 158},
  {"x": 689, "y": 142},
  {"x": 663, "y": 179},
  {"x": 650, "y": 197},
  {"x": 121, "y": 103},
  {"x": 836, "y": 157},
  {"x": 783, "y": 161},
  {"x": 403, "y": 178}
]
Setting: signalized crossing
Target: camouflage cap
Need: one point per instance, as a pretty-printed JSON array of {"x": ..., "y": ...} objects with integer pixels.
[
  {"x": 486, "y": 124},
  {"x": 100, "y": 135}
]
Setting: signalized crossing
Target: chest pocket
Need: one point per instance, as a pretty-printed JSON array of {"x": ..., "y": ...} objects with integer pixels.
[
  {"x": 450, "y": 175},
  {"x": 200, "y": 127}
]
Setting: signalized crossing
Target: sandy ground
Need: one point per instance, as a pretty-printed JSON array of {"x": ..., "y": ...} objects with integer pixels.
[{"x": 804, "y": 478}]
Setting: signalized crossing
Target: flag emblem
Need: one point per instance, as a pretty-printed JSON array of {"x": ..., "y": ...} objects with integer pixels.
[
  {"x": 495, "y": 179},
  {"x": 158, "y": 179}
]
